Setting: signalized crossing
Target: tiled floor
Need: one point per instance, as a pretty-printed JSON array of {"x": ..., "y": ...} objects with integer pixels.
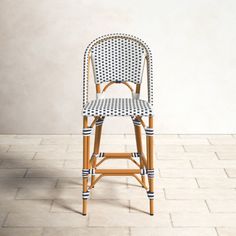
[{"x": 40, "y": 188}]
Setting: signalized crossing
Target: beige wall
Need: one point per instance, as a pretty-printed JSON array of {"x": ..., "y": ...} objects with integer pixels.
[{"x": 41, "y": 50}]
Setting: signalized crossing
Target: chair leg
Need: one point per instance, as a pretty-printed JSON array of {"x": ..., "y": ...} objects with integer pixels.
[
  {"x": 150, "y": 164},
  {"x": 98, "y": 132},
  {"x": 138, "y": 137},
  {"x": 86, "y": 147}
]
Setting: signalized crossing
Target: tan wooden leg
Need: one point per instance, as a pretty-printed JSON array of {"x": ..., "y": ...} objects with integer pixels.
[
  {"x": 98, "y": 132},
  {"x": 150, "y": 165},
  {"x": 86, "y": 140},
  {"x": 138, "y": 138}
]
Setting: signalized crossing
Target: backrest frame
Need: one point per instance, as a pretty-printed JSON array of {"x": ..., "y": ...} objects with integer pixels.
[{"x": 87, "y": 63}]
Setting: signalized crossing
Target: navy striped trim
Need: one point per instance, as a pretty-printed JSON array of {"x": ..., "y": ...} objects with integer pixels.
[
  {"x": 85, "y": 172},
  {"x": 137, "y": 122},
  {"x": 142, "y": 171},
  {"x": 149, "y": 131},
  {"x": 85, "y": 195},
  {"x": 87, "y": 131},
  {"x": 92, "y": 171},
  {"x": 135, "y": 154},
  {"x": 100, "y": 155},
  {"x": 150, "y": 194},
  {"x": 151, "y": 174},
  {"x": 99, "y": 122}
]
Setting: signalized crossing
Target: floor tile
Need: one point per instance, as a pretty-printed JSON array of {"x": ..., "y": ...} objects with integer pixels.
[
  {"x": 94, "y": 206},
  {"x": 192, "y": 173},
  {"x": 2, "y": 217},
  {"x": 216, "y": 183},
  {"x": 62, "y": 140},
  {"x": 37, "y": 148},
  {"x": 129, "y": 219},
  {"x": 168, "y": 183},
  {"x": 24, "y": 164},
  {"x": 21, "y": 231},
  {"x": 203, "y": 219},
  {"x": 222, "y": 206},
  {"x": 12, "y": 182},
  {"x": 13, "y": 173},
  {"x": 25, "y": 205},
  {"x": 16, "y": 155},
  {"x": 210, "y": 148},
  {"x": 161, "y": 205},
  {"x": 7, "y": 193},
  {"x": 98, "y": 231},
  {"x": 226, "y": 155},
  {"x": 226, "y": 231},
  {"x": 54, "y": 172},
  {"x": 45, "y": 220},
  {"x": 214, "y": 164},
  {"x": 225, "y": 194},
  {"x": 173, "y": 164},
  {"x": 173, "y": 232},
  {"x": 4, "y": 147},
  {"x": 231, "y": 172},
  {"x": 16, "y": 141},
  {"x": 59, "y": 156},
  {"x": 41, "y": 183},
  {"x": 186, "y": 156},
  {"x": 48, "y": 193}
]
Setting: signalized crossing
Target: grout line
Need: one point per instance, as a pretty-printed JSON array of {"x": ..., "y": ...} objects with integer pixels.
[
  {"x": 50, "y": 208},
  {"x": 217, "y": 155},
  {"x": 216, "y": 231},
  {"x": 191, "y": 163},
  {"x": 67, "y": 148},
  {"x": 197, "y": 183},
  {"x": 34, "y": 156},
  {"x": 42, "y": 233},
  {"x": 226, "y": 173},
  {"x": 17, "y": 191},
  {"x": 5, "y": 219},
  {"x": 171, "y": 221},
  {"x": 207, "y": 206},
  {"x": 25, "y": 174},
  {"x": 56, "y": 184},
  {"x": 8, "y": 148},
  {"x": 209, "y": 141},
  {"x": 164, "y": 193},
  {"x": 129, "y": 229},
  {"x": 41, "y": 140},
  {"x": 129, "y": 202}
]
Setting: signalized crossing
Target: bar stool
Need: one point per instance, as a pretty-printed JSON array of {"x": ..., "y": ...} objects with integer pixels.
[{"x": 117, "y": 59}]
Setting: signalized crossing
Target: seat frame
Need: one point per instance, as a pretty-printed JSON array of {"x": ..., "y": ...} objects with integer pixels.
[{"x": 145, "y": 165}]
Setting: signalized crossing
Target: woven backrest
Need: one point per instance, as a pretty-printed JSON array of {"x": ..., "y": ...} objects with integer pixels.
[{"x": 117, "y": 58}]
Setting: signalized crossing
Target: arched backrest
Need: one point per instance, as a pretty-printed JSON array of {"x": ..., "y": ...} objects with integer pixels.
[{"x": 117, "y": 58}]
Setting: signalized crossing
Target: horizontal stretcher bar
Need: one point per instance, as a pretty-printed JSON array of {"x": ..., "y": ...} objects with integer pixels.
[
  {"x": 118, "y": 154},
  {"x": 117, "y": 172}
]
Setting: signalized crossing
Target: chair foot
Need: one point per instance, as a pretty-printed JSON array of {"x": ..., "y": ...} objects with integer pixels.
[{"x": 152, "y": 207}]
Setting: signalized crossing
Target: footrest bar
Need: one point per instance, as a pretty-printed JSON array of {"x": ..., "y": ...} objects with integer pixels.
[{"x": 117, "y": 172}]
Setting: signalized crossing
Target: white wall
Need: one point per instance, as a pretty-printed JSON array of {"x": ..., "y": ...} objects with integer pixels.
[{"x": 41, "y": 53}]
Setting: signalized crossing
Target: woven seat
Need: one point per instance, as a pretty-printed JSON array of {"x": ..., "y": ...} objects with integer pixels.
[
  {"x": 117, "y": 107},
  {"x": 117, "y": 59}
]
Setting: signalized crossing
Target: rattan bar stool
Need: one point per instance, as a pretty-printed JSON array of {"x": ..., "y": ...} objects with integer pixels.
[{"x": 117, "y": 59}]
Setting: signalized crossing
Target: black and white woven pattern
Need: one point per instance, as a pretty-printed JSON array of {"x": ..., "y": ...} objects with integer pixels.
[
  {"x": 118, "y": 60},
  {"x": 117, "y": 57},
  {"x": 117, "y": 107}
]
